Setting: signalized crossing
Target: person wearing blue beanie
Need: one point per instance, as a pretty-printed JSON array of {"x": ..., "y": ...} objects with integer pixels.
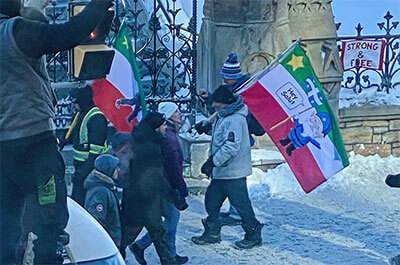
[
  {"x": 233, "y": 78},
  {"x": 101, "y": 198}
]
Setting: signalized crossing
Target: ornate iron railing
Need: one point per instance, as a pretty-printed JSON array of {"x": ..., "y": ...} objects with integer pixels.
[
  {"x": 165, "y": 50},
  {"x": 360, "y": 78}
]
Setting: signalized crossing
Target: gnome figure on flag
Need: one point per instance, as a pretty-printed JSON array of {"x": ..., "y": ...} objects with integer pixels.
[
  {"x": 135, "y": 102},
  {"x": 315, "y": 125}
]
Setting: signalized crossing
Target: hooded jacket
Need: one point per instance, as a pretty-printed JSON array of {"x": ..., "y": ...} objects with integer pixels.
[
  {"x": 102, "y": 203},
  {"x": 230, "y": 143}
]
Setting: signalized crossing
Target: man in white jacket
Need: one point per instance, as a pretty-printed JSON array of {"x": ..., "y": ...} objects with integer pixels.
[{"x": 228, "y": 166}]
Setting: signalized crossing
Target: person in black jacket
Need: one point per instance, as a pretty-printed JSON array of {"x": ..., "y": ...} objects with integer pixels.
[
  {"x": 142, "y": 199},
  {"x": 30, "y": 161},
  {"x": 173, "y": 165},
  {"x": 88, "y": 139}
]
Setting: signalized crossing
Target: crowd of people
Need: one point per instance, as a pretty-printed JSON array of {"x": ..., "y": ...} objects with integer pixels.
[{"x": 146, "y": 163}]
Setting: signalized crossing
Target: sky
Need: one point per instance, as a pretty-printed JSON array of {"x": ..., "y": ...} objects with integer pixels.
[{"x": 366, "y": 12}]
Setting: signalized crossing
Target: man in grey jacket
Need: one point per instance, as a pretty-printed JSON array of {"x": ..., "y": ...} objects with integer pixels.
[{"x": 228, "y": 166}]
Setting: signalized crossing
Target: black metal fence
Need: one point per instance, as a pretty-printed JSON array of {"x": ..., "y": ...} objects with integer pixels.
[
  {"x": 384, "y": 80},
  {"x": 165, "y": 48}
]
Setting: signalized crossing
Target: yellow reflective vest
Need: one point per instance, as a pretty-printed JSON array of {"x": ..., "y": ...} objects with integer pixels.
[{"x": 84, "y": 148}]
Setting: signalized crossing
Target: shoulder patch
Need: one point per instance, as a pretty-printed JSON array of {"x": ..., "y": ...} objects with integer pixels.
[
  {"x": 99, "y": 207},
  {"x": 231, "y": 137}
]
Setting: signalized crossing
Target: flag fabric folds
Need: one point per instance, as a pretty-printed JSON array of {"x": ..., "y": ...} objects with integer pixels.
[
  {"x": 120, "y": 95},
  {"x": 288, "y": 101}
]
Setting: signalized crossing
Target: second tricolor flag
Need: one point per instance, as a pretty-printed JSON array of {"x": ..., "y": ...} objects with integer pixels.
[{"x": 289, "y": 102}]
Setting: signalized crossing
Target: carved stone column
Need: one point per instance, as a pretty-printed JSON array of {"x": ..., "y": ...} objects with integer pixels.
[
  {"x": 241, "y": 26},
  {"x": 257, "y": 30},
  {"x": 312, "y": 20}
]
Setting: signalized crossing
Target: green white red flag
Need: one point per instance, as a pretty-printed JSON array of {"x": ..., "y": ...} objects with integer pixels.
[
  {"x": 120, "y": 95},
  {"x": 288, "y": 101}
]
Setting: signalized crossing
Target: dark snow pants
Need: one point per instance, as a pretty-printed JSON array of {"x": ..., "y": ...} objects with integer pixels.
[
  {"x": 33, "y": 168},
  {"x": 153, "y": 223},
  {"x": 236, "y": 191}
]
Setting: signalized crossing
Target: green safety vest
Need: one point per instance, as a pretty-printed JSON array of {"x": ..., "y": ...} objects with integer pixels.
[{"x": 83, "y": 149}]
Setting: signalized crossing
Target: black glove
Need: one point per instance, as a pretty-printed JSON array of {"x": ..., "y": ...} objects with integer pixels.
[
  {"x": 207, "y": 167},
  {"x": 203, "y": 127},
  {"x": 178, "y": 200}
]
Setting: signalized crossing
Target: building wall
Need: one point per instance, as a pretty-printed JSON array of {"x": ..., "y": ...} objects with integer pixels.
[{"x": 369, "y": 130}]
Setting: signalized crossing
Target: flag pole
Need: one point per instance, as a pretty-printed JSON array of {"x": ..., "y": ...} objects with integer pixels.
[
  {"x": 268, "y": 68},
  {"x": 285, "y": 120},
  {"x": 262, "y": 72}
]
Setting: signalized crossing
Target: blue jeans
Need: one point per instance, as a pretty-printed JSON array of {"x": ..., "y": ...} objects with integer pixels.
[{"x": 171, "y": 220}]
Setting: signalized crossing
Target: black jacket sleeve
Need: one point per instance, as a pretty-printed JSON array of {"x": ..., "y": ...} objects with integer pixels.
[{"x": 36, "y": 38}]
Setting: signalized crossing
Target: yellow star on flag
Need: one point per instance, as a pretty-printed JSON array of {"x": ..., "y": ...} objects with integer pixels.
[
  {"x": 296, "y": 62},
  {"x": 125, "y": 42}
]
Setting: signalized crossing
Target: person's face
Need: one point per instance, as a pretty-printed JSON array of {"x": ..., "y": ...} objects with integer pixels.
[
  {"x": 219, "y": 106},
  {"x": 230, "y": 82},
  {"x": 176, "y": 117},
  {"x": 162, "y": 129},
  {"x": 116, "y": 173}
]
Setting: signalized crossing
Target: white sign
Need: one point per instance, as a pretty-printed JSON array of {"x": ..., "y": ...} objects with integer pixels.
[{"x": 363, "y": 53}]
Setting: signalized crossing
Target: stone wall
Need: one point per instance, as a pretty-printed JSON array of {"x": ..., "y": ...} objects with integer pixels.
[{"x": 370, "y": 129}]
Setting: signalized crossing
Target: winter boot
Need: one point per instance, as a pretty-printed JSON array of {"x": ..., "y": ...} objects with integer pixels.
[
  {"x": 181, "y": 259},
  {"x": 395, "y": 260},
  {"x": 211, "y": 234},
  {"x": 138, "y": 253},
  {"x": 251, "y": 239}
]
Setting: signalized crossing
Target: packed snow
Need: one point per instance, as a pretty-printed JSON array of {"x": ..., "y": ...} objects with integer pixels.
[
  {"x": 353, "y": 218},
  {"x": 347, "y": 97}
]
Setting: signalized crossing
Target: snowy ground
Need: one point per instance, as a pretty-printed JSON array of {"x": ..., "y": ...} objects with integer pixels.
[
  {"x": 347, "y": 97},
  {"x": 354, "y": 218}
]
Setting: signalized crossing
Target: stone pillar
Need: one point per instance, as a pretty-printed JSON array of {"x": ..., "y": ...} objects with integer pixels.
[
  {"x": 258, "y": 30},
  {"x": 234, "y": 26},
  {"x": 312, "y": 20}
]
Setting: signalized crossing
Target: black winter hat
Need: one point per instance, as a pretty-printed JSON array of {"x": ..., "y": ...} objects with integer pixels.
[
  {"x": 223, "y": 94},
  {"x": 106, "y": 164},
  {"x": 155, "y": 119},
  {"x": 82, "y": 93},
  {"x": 119, "y": 139}
]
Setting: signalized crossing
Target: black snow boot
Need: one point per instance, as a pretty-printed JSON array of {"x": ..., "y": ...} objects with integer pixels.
[
  {"x": 138, "y": 253},
  {"x": 395, "y": 260},
  {"x": 211, "y": 234},
  {"x": 251, "y": 239}
]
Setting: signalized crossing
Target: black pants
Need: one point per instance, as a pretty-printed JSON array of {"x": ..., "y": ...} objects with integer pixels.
[
  {"x": 36, "y": 169},
  {"x": 151, "y": 220},
  {"x": 236, "y": 191},
  {"x": 82, "y": 170}
]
